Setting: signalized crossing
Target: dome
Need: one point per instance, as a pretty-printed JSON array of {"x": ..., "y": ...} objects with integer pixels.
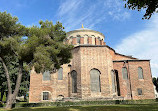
[
  {"x": 83, "y": 29},
  {"x": 85, "y": 36}
]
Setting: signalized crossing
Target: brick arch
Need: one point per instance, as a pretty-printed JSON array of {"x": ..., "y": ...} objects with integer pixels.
[
  {"x": 95, "y": 69},
  {"x": 60, "y": 97}
]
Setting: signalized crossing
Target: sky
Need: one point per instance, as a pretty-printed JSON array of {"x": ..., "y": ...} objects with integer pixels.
[{"x": 124, "y": 29}]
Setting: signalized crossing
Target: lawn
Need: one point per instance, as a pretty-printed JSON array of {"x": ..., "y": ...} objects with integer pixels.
[{"x": 135, "y": 107}]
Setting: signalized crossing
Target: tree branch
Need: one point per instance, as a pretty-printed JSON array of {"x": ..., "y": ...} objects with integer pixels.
[{"x": 18, "y": 81}]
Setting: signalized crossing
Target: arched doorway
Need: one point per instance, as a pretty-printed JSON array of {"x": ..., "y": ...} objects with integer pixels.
[{"x": 117, "y": 82}]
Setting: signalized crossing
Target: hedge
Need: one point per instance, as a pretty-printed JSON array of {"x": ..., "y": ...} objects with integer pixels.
[{"x": 81, "y": 103}]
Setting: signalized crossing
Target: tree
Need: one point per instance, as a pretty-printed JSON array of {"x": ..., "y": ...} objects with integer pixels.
[
  {"x": 149, "y": 5},
  {"x": 155, "y": 82},
  {"x": 12, "y": 65},
  {"x": 43, "y": 49}
]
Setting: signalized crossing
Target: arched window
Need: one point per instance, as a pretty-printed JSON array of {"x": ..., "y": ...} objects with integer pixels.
[
  {"x": 46, "y": 76},
  {"x": 78, "y": 39},
  {"x": 140, "y": 73},
  {"x": 86, "y": 38},
  {"x": 124, "y": 73},
  {"x": 95, "y": 80},
  {"x": 74, "y": 81},
  {"x": 113, "y": 81},
  {"x": 60, "y": 74}
]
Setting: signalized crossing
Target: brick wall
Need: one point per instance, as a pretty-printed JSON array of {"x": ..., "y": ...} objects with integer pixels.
[
  {"x": 76, "y": 65},
  {"x": 82, "y": 40},
  {"x": 54, "y": 86},
  {"x": 89, "y": 40},
  {"x": 94, "y": 57},
  {"x": 145, "y": 84},
  {"x": 74, "y": 40},
  {"x": 86, "y": 58},
  {"x": 97, "y": 41}
]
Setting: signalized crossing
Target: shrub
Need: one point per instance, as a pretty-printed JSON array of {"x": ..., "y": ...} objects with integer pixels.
[
  {"x": 81, "y": 103},
  {"x": 1, "y": 104}
]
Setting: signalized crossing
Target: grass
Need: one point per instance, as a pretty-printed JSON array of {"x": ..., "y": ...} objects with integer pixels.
[{"x": 133, "y": 107}]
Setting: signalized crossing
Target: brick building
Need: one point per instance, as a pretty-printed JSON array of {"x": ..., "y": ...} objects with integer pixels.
[{"x": 96, "y": 71}]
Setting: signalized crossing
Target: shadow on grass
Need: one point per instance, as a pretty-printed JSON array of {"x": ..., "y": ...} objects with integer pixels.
[{"x": 134, "y": 107}]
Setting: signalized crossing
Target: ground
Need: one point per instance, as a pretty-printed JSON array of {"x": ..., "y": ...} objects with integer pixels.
[{"x": 134, "y": 107}]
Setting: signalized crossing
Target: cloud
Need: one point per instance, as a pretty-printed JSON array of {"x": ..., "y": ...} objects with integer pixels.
[
  {"x": 116, "y": 10},
  {"x": 68, "y": 6},
  {"x": 143, "y": 44},
  {"x": 73, "y": 13}
]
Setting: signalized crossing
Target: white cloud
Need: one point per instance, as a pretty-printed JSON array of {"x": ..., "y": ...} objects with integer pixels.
[
  {"x": 68, "y": 7},
  {"x": 73, "y": 13},
  {"x": 143, "y": 44}
]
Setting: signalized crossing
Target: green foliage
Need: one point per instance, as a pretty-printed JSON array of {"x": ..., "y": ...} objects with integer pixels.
[
  {"x": 9, "y": 25},
  {"x": 85, "y": 103},
  {"x": 149, "y": 5},
  {"x": 12, "y": 64},
  {"x": 155, "y": 82},
  {"x": 3, "y": 98},
  {"x": 43, "y": 49},
  {"x": 1, "y": 104}
]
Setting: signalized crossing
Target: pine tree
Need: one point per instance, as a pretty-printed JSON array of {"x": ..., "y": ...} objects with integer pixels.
[{"x": 42, "y": 48}]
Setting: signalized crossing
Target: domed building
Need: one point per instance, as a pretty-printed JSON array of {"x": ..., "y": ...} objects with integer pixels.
[{"x": 96, "y": 71}]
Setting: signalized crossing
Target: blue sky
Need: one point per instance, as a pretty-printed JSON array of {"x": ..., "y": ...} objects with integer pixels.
[{"x": 124, "y": 29}]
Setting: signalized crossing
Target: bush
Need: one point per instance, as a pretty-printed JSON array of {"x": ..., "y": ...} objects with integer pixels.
[
  {"x": 1, "y": 104},
  {"x": 81, "y": 103}
]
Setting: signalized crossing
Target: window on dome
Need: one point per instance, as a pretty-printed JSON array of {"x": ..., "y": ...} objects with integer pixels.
[
  {"x": 87, "y": 40},
  {"x": 78, "y": 39}
]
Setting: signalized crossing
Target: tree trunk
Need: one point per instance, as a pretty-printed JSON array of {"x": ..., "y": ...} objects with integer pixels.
[
  {"x": 10, "y": 101},
  {"x": 12, "y": 96},
  {"x": 7, "y": 75},
  {"x": 8, "y": 81}
]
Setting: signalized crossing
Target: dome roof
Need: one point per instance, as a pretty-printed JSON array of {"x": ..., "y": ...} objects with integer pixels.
[{"x": 83, "y": 29}]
